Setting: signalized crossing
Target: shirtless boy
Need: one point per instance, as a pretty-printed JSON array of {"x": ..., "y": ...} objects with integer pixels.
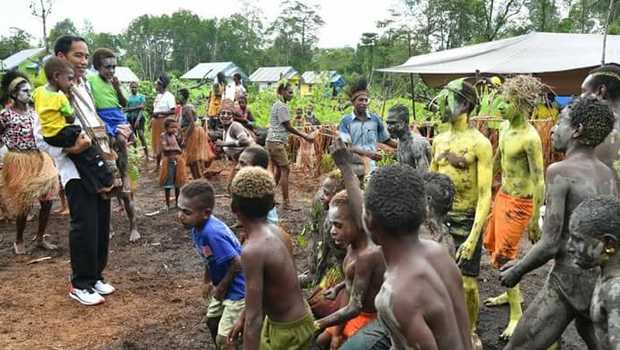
[
  {"x": 433, "y": 314},
  {"x": 464, "y": 155},
  {"x": 363, "y": 264},
  {"x": 517, "y": 204},
  {"x": 568, "y": 290},
  {"x": 274, "y": 300},
  {"x": 594, "y": 241}
]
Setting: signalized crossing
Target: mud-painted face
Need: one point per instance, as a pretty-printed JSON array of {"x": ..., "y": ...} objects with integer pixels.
[
  {"x": 588, "y": 89},
  {"x": 327, "y": 191},
  {"x": 107, "y": 68},
  {"x": 226, "y": 117},
  {"x": 447, "y": 101},
  {"x": 586, "y": 250},
  {"x": 396, "y": 124},
  {"x": 562, "y": 132},
  {"x": 23, "y": 93}
]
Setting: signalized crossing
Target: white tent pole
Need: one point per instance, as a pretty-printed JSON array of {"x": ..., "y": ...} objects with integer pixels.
[{"x": 610, "y": 11}]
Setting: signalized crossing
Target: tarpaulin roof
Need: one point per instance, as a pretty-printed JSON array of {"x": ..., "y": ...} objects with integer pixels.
[
  {"x": 125, "y": 75},
  {"x": 19, "y": 57},
  {"x": 209, "y": 71},
  {"x": 273, "y": 74},
  {"x": 561, "y": 60}
]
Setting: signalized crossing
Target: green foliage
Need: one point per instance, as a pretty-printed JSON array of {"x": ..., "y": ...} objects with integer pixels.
[
  {"x": 133, "y": 168},
  {"x": 17, "y": 40}
]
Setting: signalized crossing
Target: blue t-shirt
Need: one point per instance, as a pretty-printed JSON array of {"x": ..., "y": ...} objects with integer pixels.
[
  {"x": 364, "y": 134},
  {"x": 133, "y": 101},
  {"x": 217, "y": 245}
]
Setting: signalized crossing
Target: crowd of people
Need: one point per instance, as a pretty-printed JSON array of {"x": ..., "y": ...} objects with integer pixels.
[{"x": 395, "y": 250}]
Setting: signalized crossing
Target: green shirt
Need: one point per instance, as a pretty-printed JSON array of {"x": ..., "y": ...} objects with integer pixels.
[{"x": 103, "y": 92}]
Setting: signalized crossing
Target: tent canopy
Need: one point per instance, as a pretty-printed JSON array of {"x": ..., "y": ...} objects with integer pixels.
[
  {"x": 125, "y": 75},
  {"x": 19, "y": 57},
  {"x": 560, "y": 60},
  {"x": 209, "y": 71},
  {"x": 273, "y": 74}
]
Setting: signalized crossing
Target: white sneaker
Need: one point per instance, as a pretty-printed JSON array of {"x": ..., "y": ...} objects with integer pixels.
[
  {"x": 103, "y": 288},
  {"x": 86, "y": 296}
]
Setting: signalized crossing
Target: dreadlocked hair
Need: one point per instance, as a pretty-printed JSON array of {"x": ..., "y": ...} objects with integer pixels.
[
  {"x": 596, "y": 217},
  {"x": 594, "y": 117},
  {"x": 608, "y": 75},
  {"x": 5, "y": 94},
  {"x": 253, "y": 190},
  {"x": 336, "y": 176},
  {"x": 360, "y": 84},
  {"x": 525, "y": 90}
]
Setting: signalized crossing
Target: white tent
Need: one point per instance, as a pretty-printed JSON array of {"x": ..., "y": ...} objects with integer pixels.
[
  {"x": 209, "y": 71},
  {"x": 19, "y": 57},
  {"x": 561, "y": 60},
  {"x": 125, "y": 75}
]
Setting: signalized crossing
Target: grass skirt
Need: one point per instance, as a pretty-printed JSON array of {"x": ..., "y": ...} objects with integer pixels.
[
  {"x": 157, "y": 127},
  {"x": 197, "y": 147},
  {"x": 172, "y": 174},
  {"x": 26, "y": 177}
]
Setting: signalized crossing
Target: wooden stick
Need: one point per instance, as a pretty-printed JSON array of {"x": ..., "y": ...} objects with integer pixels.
[{"x": 38, "y": 260}]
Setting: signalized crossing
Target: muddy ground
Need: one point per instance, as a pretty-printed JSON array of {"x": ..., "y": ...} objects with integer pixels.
[{"x": 158, "y": 304}]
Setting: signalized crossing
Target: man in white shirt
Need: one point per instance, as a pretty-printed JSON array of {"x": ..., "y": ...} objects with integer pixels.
[{"x": 90, "y": 213}]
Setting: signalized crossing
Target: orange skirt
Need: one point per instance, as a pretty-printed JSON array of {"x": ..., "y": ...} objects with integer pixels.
[
  {"x": 509, "y": 218},
  {"x": 157, "y": 127},
  {"x": 197, "y": 147},
  {"x": 355, "y": 324},
  {"x": 180, "y": 172}
]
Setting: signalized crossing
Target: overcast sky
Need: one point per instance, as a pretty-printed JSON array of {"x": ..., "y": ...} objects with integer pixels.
[{"x": 345, "y": 20}]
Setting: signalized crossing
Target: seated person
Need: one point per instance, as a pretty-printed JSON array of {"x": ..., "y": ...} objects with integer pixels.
[
  {"x": 220, "y": 249},
  {"x": 57, "y": 125},
  {"x": 594, "y": 240},
  {"x": 363, "y": 263}
]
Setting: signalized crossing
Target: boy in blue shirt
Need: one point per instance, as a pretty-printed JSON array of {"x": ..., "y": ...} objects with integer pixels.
[{"x": 221, "y": 250}]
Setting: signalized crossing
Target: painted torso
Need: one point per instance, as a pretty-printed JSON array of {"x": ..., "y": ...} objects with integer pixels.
[{"x": 517, "y": 180}]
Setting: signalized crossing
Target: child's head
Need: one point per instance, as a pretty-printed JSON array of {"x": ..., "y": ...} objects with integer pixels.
[
  {"x": 242, "y": 101},
  {"x": 171, "y": 125},
  {"x": 603, "y": 82},
  {"x": 196, "y": 203},
  {"x": 332, "y": 184},
  {"x": 104, "y": 61},
  {"x": 586, "y": 121},
  {"x": 520, "y": 95},
  {"x": 343, "y": 229},
  {"x": 133, "y": 86},
  {"x": 439, "y": 197},
  {"x": 252, "y": 190},
  {"x": 254, "y": 155},
  {"x": 395, "y": 202},
  {"x": 594, "y": 231},
  {"x": 183, "y": 95},
  {"x": 59, "y": 74}
]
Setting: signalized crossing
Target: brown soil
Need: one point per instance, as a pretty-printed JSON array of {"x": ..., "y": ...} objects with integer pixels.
[{"x": 158, "y": 304}]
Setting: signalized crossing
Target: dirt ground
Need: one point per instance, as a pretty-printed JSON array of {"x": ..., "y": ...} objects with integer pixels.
[{"x": 158, "y": 304}]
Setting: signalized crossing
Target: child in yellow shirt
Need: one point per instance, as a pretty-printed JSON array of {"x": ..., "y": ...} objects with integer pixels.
[{"x": 57, "y": 125}]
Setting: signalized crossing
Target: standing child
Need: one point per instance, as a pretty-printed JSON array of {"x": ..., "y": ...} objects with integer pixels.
[
  {"x": 594, "y": 240},
  {"x": 198, "y": 153},
  {"x": 57, "y": 125},
  {"x": 172, "y": 174},
  {"x": 221, "y": 250},
  {"x": 274, "y": 300}
]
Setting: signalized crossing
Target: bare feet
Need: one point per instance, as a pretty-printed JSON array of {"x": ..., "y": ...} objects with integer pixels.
[
  {"x": 510, "y": 329},
  {"x": 134, "y": 235},
  {"x": 499, "y": 300},
  {"x": 62, "y": 211},
  {"x": 19, "y": 248},
  {"x": 44, "y": 244},
  {"x": 475, "y": 341}
]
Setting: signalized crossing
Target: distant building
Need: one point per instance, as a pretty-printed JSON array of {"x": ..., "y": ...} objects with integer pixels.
[
  {"x": 126, "y": 75},
  {"x": 26, "y": 60},
  {"x": 310, "y": 79},
  {"x": 208, "y": 71},
  {"x": 266, "y": 77}
]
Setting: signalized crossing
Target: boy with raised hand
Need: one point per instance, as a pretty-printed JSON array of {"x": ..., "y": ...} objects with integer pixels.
[
  {"x": 363, "y": 264},
  {"x": 431, "y": 315},
  {"x": 568, "y": 290},
  {"x": 594, "y": 240},
  {"x": 221, "y": 250},
  {"x": 276, "y": 314}
]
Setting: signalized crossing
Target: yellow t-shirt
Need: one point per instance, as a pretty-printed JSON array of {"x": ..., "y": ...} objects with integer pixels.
[{"x": 52, "y": 108}]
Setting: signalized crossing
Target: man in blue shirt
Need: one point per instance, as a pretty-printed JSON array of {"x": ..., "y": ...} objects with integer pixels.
[
  {"x": 221, "y": 250},
  {"x": 361, "y": 130}
]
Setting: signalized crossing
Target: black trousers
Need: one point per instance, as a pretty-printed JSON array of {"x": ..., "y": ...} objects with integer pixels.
[{"x": 89, "y": 234}]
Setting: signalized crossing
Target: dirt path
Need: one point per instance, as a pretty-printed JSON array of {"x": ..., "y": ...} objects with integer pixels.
[{"x": 158, "y": 304}]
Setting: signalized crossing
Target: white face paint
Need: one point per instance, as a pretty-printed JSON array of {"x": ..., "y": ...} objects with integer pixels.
[{"x": 23, "y": 93}]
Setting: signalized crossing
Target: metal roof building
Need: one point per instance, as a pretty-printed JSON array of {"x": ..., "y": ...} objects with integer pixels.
[
  {"x": 273, "y": 74},
  {"x": 209, "y": 71},
  {"x": 20, "y": 57},
  {"x": 126, "y": 75}
]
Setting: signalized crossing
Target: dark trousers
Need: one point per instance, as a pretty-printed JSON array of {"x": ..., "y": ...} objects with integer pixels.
[{"x": 89, "y": 234}]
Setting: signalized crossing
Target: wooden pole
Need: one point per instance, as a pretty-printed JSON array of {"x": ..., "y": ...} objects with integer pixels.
[
  {"x": 411, "y": 81},
  {"x": 610, "y": 11}
]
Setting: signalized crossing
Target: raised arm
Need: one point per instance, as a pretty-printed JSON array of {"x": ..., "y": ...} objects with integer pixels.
[
  {"x": 483, "y": 206},
  {"x": 551, "y": 239},
  {"x": 252, "y": 263},
  {"x": 342, "y": 158},
  {"x": 536, "y": 167}
]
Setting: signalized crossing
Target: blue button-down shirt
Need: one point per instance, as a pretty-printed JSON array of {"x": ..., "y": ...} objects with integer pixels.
[{"x": 365, "y": 134}]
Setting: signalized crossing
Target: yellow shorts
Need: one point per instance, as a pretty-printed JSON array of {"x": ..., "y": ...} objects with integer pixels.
[
  {"x": 277, "y": 153},
  {"x": 228, "y": 311}
]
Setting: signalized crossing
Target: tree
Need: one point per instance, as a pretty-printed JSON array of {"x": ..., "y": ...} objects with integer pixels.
[
  {"x": 42, "y": 9},
  {"x": 64, "y": 27},
  {"x": 17, "y": 41}
]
